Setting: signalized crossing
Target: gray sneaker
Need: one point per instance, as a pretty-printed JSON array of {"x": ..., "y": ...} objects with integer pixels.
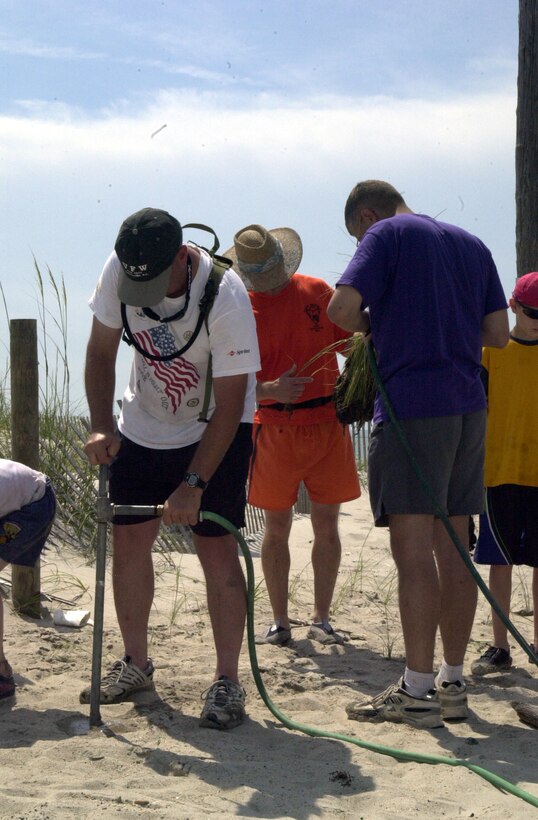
[
  {"x": 453, "y": 699},
  {"x": 224, "y": 706},
  {"x": 493, "y": 660},
  {"x": 276, "y": 635},
  {"x": 325, "y": 634},
  {"x": 397, "y": 706},
  {"x": 122, "y": 680}
]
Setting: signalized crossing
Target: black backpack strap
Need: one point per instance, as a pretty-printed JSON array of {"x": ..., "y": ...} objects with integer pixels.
[
  {"x": 156, "y": 357},
  {"x": 200, "y": 227}
]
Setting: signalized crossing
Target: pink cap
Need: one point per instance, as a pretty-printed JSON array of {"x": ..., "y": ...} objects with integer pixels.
[{"x": 526, "y": 290}]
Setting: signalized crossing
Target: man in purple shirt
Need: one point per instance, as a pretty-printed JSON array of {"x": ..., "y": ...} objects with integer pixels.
[{"x": 430, "y": 294}]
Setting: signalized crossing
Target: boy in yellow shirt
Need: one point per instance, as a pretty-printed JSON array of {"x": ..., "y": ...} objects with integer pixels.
[{"x": 509, "y": 526}]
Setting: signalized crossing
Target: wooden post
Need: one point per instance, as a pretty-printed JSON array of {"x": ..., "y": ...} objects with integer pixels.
[
  {"x": 26, "y": 581},
  {"x": 527, "y": 139}
]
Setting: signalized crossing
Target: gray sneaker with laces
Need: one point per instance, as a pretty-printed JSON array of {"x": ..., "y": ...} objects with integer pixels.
[
  {"x": 325, "y": 634},
  {"x": 224, "y": 706},
  {"x": 120, "y": 681},
  {"x": 275, "y": 635}
]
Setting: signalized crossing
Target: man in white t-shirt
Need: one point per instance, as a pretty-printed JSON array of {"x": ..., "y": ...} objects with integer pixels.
[
  {"x": 165, "y": 450},
  {"x": 27, "y": 509}
]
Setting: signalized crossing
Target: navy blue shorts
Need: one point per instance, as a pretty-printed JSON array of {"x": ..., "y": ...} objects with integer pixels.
[
  {"x": 141, "y": 475},
  {"x": 23, "y": 533},
  {"x": 509, "y": 527}
]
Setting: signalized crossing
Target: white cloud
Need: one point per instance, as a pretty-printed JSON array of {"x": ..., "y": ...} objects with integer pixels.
[
  {"x": 212, "y": 128},
  {"x": 25, "y": 47},
  {"x": 71, "y": 179}
]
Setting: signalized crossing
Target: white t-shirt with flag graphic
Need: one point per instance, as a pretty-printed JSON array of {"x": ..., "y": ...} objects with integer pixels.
[{"x": 162, "y": 402}]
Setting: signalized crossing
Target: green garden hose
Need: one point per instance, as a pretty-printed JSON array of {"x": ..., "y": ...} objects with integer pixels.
[{"x": 397, "y": 754}]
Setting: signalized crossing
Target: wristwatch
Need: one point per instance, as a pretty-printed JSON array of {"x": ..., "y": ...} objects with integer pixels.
[{"x": 194, "y": 480}]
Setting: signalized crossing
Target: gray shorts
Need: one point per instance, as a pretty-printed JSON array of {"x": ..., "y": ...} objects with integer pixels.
[{"x": 450, "y": 453}]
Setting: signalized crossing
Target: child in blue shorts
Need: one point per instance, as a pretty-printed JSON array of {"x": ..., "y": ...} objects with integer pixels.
[
  {"x": 509, "y": 526},
  {"x": 27, "y": 509}
]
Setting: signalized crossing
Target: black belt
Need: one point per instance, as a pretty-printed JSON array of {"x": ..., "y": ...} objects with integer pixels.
[{"x": 301, "y": 405}]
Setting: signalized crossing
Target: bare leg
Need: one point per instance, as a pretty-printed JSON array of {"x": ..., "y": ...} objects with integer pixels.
[
  {"x": 500, "y": 586},
  {"x": 326, "y": 553},
  {"x": 2, "y": 656},
  {"x": 535, "y": 603},
  {"x": 276, "y": 561},
  {"x": 133, "y": 583},
  {"x": 458, "y": 590},
  {"x": 226, "y": 599},
  {"x": 411, "y": 541}
]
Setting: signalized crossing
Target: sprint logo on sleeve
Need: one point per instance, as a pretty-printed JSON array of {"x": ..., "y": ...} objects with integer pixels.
[{"x": 238, "y": 352}]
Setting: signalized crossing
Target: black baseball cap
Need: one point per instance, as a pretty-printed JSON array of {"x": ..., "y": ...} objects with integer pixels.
[{"x": 146, "y": 246}]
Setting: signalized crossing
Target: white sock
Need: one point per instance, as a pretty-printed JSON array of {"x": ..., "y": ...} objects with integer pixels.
[
  {"x": 449, "y": 674},
  {"x": 417, "y": 684}
]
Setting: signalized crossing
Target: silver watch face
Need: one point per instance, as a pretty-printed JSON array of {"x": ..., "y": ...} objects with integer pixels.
[{"x": 194, "y": 480}]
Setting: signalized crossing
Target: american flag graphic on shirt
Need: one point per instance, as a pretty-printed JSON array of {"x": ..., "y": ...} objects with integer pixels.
[{"x": 178, "y": 376}]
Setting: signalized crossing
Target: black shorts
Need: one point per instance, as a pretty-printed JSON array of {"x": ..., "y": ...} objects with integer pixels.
[
  {"x": 141, "y": 475},
  {"x": 450, "y": 453},
  {"x": 509, "y": 527}
]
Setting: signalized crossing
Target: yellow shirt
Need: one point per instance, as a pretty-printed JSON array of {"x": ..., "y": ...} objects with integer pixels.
[{"x": 512, "y": 427}]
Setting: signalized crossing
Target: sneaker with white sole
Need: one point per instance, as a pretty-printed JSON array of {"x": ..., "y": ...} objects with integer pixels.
[
  {"x": 276, "y": 635},
  {"x": 453, "y": 699},
  {"x": 494, "y": 659},
  {"x": 398, "y": 706},
  {"x": 120, "y": 681},
  {"x": 224, "y": 706}
]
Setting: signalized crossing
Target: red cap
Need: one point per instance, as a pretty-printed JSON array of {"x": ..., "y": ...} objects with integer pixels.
[{"x": 526, "y": 290}]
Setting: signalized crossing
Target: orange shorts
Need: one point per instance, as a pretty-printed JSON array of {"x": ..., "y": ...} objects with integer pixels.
[{"x": 321, "y": 455}]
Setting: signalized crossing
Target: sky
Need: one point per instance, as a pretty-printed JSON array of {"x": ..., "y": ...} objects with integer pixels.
[{"x": 235, "y": 112}]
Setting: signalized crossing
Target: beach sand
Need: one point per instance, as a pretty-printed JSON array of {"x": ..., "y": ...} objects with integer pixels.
[{"x": 151, "y": 759}]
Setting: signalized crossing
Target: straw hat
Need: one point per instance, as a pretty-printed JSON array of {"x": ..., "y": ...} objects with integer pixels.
[{"x": 265, "y": 259}]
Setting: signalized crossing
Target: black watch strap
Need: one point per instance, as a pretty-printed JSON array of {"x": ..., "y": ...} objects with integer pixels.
[{"x": 194, "y": 480}]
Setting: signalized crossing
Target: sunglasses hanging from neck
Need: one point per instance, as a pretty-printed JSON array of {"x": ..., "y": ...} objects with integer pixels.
[
  {"x": 180, "y": 313},
  {"x": 129, "y": 336}
]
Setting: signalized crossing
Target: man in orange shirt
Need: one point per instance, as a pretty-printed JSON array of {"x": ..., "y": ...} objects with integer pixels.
[{"x": 296, "y": 433}]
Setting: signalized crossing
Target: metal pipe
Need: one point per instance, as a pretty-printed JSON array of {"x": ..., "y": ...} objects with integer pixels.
[
  {"x": 103, "y": 517},
  {"x": 105, "y": 512}
]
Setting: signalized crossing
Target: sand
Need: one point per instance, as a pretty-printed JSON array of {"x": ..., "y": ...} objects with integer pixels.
[{"x": 151, "y": 760}]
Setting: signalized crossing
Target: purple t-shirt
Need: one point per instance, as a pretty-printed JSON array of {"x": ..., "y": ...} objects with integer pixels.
[{"x": 428, "y": 286}]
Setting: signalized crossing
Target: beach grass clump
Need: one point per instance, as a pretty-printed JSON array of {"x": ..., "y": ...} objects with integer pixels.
[{"x": 355, "y": 388}]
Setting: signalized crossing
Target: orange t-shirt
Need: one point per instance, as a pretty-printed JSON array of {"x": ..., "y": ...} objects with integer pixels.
[{"x": 292, "y": 327}]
